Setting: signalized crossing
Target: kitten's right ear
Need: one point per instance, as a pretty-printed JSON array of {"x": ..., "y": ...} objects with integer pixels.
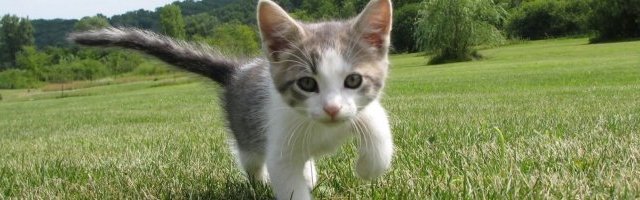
[{"x": 277, "y": 28}]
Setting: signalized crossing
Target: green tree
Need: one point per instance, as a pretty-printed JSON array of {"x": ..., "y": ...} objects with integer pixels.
[
  {"x": 320, "y": 9},
  {"x": 172, "y": 21},
  {"x": 201, "y": 24},
  {"x": 89, "y": 23},
  {"x": 32, "y": 60},
  {"x": 18, "y": 79},
  {"x": 615, "y": 19},
  {"x": 451, "y": 28},
  {"x": 404, "y": 21},
  {"x": 120, "y": 62},
  {"x": 548, "y": 18},
  {"x": 237, "y": 39},
  {"x": 15, "y": 33}
]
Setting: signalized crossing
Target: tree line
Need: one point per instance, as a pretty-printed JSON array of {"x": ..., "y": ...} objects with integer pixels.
[
  {"x": 451, "y": 29},
  {"x": 34, "y": 52}
]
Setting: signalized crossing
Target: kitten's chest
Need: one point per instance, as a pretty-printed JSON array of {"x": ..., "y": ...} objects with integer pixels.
[
  {"x": 326, "y": 140},
  {"x": 308, "y": 138}
]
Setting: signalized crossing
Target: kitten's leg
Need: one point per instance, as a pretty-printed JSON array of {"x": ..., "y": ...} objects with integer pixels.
[
  {"x": 287, "y": 176},
  {"x": 254, "y": 165},
  {"x": 310, "y": 173},
  {"x": 375, "y": 142}
]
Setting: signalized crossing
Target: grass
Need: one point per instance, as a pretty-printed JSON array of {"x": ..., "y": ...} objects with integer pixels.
[{"x": 554, "y": 119}]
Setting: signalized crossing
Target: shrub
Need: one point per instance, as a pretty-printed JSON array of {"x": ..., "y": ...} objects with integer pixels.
[
  {"x": 18, "y": 79},
  {"x": 452, "y": 28},
  {"x": 151, "y": 68},
  {"x": 120, "y": 62},
  {"x": 549, "y": 18},
  {"x": 77, "y": 70},
  {"x": 615, "y": 19},
  {"x": 237, "y": 39}
]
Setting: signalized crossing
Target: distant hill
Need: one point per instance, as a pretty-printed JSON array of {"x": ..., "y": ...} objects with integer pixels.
[{"x": 53, "y": 32}]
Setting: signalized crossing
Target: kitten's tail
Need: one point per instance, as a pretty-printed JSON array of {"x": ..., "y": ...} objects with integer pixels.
[{"x": 194, "y": 58}]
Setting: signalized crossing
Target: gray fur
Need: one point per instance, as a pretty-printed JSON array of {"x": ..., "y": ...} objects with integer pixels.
[{"x": 195, "y": 58}]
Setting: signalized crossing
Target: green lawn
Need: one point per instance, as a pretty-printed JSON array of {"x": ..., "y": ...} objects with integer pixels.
[{"x": 546, "y": 119}]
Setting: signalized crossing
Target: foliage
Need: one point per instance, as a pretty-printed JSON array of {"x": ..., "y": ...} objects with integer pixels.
[
  {"x": 172, "y": 21},
  {"x": 90, "y": 23},
  {"x": 15, "y": 33},
  {"x": 549, "y": 18},
  {"x": 143, "y": 19},
  {"x": 404, "y": 21},
  {"x": 86, "y": 69},
  {"x": 615, "y": 19},
  {"x": 201, "y": 24},
  {"x": 17, "y": 79},
  {"x": 120, "y": 62},
  {"x": 151, "y": 68},
  {"x": 236, "y": 39},
  {"x": 450, "y": 29},
  {"x": 34, "y": 61},
  {"x": 52, "y": 32}
]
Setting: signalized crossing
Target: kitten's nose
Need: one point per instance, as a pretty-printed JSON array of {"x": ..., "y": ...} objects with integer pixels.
[{"x": 332, "y": 110}]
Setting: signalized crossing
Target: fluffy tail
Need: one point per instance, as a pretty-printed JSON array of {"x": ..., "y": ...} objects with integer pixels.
[{"x": 194, "y": 58}]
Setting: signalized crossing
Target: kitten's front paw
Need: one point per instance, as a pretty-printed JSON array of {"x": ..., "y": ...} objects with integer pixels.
[{"x": 371, "y": 169}]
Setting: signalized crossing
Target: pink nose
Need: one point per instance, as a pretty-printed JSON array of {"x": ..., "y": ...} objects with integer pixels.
[{"x": 332, "y": 110}]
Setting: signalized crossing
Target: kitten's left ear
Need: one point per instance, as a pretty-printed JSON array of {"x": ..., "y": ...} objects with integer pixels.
[{"x": 375, "y": 22}]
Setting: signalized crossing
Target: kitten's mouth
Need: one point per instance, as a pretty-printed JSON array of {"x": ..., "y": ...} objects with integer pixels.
[{"x": 333, "y": 121}]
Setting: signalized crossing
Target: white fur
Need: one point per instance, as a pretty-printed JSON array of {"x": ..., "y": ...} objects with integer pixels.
[
  {"x": 295, "y": 138},
  {"x": 293, "y": 142}
]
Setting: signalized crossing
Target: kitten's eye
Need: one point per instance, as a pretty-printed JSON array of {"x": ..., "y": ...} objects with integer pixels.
[
  {"x": 308, "y": 84},
  {"x": 353, "y": 81}
]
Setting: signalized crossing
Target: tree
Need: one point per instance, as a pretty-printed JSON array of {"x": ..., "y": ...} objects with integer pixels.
[
  {"x": 451, "y": 28},
  {"x": 237, "y": 39},
  {"x": 615, "y": 19},
  {"x": 15, "y": 33},
  {"x": 90, "y": 23},
  {"x": 548, "y": 18},
  {"x": 141, "y": 18},
  {"x": 404, "y": 21},
  {"x": 120, "y": 62},
  {"x": 172, "y": 22},
  {"x": 52, "y": 32},
  {"x": 201, "y": 24},
  {"x": 34, "y": 61},
  {"x": 320, "y": 9}
]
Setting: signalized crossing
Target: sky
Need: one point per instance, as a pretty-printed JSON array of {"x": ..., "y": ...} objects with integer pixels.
[{"x": 74, "y": 9}]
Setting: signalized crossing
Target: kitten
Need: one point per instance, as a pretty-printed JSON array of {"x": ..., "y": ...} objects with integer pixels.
[{"x": 318, "y": 85}]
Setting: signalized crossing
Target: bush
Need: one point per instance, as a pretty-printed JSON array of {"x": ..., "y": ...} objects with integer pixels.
[
  {"x": 77, "y": 70},
  {"x": 549, "y": 18},
  {"x": 18, "y": 79},
  {"x": 236, "y": 39},
  {"x": 615, "y": 19},
  {"x": 452, "y": 28},
  {"x": 120, "y": 62},
  {"x": 151, "y": 68}
]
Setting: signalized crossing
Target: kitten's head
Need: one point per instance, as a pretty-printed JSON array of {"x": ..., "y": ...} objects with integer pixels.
[{"x": 328, "y": 71}]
